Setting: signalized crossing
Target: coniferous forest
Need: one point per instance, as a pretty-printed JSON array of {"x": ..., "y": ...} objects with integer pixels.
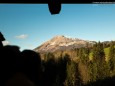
[{"x": 87, "y": 66}]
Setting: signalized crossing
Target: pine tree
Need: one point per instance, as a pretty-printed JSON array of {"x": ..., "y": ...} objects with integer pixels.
[
  {"x": 73, "y": 76},
  {"x": 112, "y": 56}
]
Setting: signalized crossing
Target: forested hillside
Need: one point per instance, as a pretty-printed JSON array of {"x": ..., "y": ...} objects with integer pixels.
[{"x": 88, "y": 66}]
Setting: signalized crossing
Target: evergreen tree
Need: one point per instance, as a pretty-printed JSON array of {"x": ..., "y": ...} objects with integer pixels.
[
  {"x": 73, "y": 76},
  {"x": 111, "y": 62},
  {"x": 98, "y": 52}
]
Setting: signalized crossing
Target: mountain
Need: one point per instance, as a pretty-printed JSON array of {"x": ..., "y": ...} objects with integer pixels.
[{"x": 63, "y": 43}]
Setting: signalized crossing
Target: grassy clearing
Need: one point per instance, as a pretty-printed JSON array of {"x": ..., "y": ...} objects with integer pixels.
[{"x": 106, "y": 50}]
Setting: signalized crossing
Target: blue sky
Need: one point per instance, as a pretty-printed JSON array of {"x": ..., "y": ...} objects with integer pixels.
[{"x": 29, "y": 25}]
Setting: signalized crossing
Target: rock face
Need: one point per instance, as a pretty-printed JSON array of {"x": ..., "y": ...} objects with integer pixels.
[{"x": 62, "y": 43}]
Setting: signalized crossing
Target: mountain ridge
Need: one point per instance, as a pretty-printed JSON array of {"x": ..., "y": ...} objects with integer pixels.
[{"x": 61, "y": 42}]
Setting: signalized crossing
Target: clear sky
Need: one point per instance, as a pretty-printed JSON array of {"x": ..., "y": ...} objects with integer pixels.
[{"x": 29, "y": 25}]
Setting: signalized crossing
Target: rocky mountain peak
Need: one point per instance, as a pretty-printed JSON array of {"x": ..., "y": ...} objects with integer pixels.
[{"x": 61, "y": 42}]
